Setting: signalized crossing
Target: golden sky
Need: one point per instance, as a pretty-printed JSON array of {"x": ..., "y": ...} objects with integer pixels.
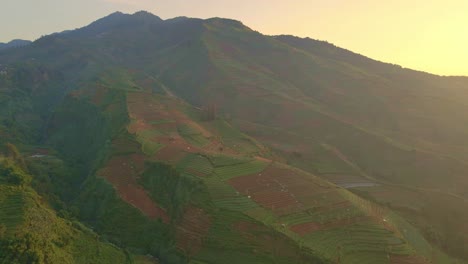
[{"x": 428, "y": 35}]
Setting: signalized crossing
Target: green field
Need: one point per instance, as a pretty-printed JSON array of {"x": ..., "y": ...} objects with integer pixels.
[
  {"x": 230, "y": 171},
  {"x": 192, "y": 135}
]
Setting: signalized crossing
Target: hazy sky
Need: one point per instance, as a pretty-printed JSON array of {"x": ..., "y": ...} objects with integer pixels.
[{"x": 429, "y": 35}]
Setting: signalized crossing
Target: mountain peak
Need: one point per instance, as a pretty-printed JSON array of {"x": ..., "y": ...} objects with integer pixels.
[{"x": 147, "y": 14}]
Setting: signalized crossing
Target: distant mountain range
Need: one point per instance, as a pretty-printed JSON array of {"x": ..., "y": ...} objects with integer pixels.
[
  {"x": 204, "y": 141},
  {"x": 14, "y": 43}
]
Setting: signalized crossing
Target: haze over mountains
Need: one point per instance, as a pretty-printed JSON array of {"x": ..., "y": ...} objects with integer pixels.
[
  {"x": 194, "y": 140},
  {"x": 14, "y": 44}
]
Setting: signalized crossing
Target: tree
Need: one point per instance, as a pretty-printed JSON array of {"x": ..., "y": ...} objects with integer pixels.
[
  {"x": 12, "y": 174},
  {"x": 12, "y": 152}
]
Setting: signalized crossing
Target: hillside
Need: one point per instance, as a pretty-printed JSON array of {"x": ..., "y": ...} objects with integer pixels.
[
  {"x": 14, "y": 44},
  {"x": 32, "y": 232},
  {"x": 194, "y": 140}
]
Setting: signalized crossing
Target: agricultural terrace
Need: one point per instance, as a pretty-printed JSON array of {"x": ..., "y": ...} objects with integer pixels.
[
  {"x": 12, "y": 206},
  {"x": 226, "y": 197},
  {"x": 121, "y": 172},
  {"x": 192, "y": 135},
  {"x": 195, "y": 165},
  {"x": 192, "y": 229},
  {"x": 226, "y": 167},
  {"x": 233, "y": 139},
  {"x": 281, "y": 190}
]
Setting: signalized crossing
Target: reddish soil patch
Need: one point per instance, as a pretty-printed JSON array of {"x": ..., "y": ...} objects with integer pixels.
[
  {"x": 398, "y": 259},
  {"x": 307, "y": 228},
  {"x": 278, "y": 189},
  {"x": 141, "y": 106},
  {"x": 192, "y": 229},
  {"x": 137, "y": 126},
  {"x": 281, "y": 189},
  {"x": 175, "y": 149},
  {"x": 170, "y": 154},
  {"x": 121, "y": 172}
]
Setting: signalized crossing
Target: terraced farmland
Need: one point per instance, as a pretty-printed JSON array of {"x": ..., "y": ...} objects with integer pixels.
[
  {"x": 192, "y": 230},
  {"x": 192, "y": 135},
  {"x": 231, "y": 171},
  {"x": 12, "y": 204},
  {"x": 121, "y": 172},
  {"x": 196, "y": 165},
  {"x": 360, "y": 243},
  {"x": 226, "y": 197}
]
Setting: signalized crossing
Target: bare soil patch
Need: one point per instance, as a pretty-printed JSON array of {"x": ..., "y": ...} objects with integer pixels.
[{"x": 121, "y": 172}]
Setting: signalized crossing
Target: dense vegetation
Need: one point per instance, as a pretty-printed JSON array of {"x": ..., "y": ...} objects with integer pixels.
[{"x": 203, "y": 141}]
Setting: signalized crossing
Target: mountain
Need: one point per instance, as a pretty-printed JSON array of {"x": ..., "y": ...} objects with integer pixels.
[
  {"x": 204, "y": 141},
  {"x": 14, "y": 43}
]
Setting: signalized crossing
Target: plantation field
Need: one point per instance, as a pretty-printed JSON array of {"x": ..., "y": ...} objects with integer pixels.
[
  {"x": 222, "y": 160},
  {"x": 359, "y": 243},
  {"x": 232, "y": 138},
  {"x": 231, "y": 171},
  {"x": 196, "y": 164},
  {"x": 192, "y": 230},
  {"x": 226, "y": 197},
  {"x": 12, "y": 206},
  {"x": 192, "y": 135}
]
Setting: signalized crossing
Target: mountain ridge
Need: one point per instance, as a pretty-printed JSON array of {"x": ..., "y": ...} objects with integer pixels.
[{"x": 220, "y": 131}]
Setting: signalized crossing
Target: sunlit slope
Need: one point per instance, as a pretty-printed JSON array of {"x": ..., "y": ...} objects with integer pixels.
[
  {"x": 129, "y": 96},
  {"x": 30, "y": 232},
  {"x": 350, "y": 106},
  {"x": 289, "y": 201}
]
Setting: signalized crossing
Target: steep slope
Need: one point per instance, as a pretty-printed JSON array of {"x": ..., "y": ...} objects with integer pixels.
[
  {"x": 30, "y": 232},
  {"x": 224, "y": 188},
  {"x": 125, "y": 97}
]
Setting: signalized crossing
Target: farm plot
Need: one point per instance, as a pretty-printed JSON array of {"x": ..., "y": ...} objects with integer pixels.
[
  {"x": 309, "y": 227},
  {"x": 226, "y": 197},
  {"x": 399, "y": 259},
  {"x": 192, "y": 135},
  {"x": 359, "y": 243},
  {"x": 232, "y": 171},
  {"x": 224, "y": 160},
  {"x": 232, "y": 138},
  {"x": 150, "y": 148},
  {"x": 286, "y": 191},
  {"x": 142, "y": 106},
  {"x": 267, "y": 191},
  {"x": 192, "y": 229},
  {"x": 242, "y": 145},
  {"x": 308, "y": 189},
  {"x": 321, "y": 217},
  {"x": 196, "y": 165},
  {"x": 12, "y": 205},
  {"x": 121, "y": 172}
]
